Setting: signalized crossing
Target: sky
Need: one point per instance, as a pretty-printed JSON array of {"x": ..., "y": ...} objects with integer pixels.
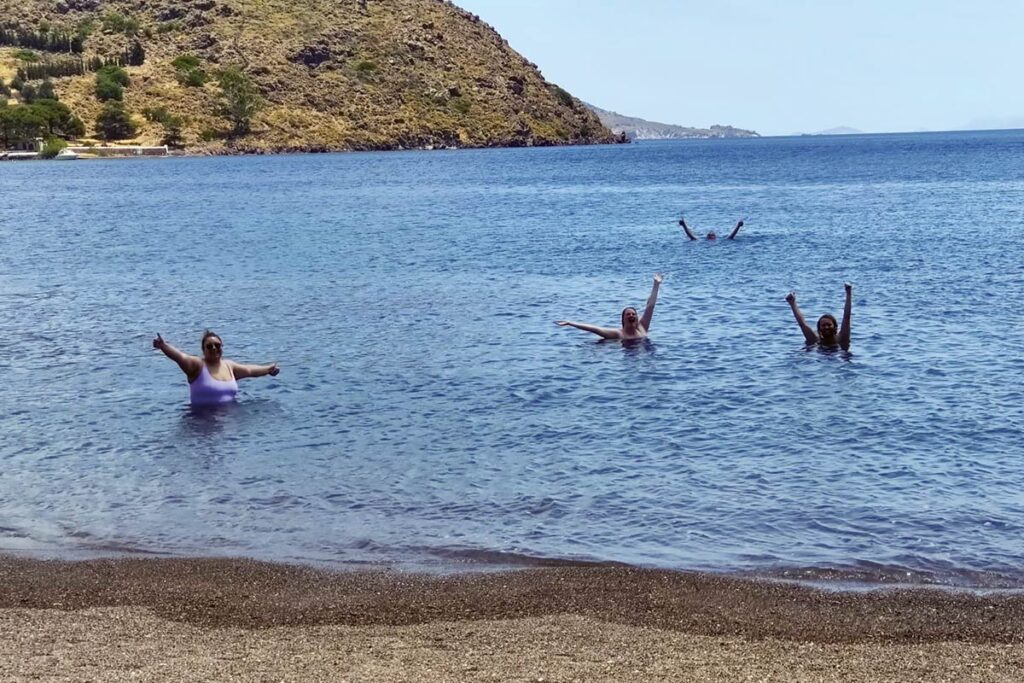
[{"x": 782, "y": 67}]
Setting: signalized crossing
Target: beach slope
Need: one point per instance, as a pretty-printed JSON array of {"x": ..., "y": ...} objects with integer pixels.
[{"x": 133, "y": 619}]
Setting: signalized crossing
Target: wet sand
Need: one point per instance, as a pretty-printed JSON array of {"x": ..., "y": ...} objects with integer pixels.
[{"x": 130, "y": 619}]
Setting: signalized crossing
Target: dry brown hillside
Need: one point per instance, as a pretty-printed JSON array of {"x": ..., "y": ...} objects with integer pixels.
[{"x": 334, "y": 74}]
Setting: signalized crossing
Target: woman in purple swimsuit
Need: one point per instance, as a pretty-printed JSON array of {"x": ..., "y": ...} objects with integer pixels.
[{"x": 212, "y": 379}]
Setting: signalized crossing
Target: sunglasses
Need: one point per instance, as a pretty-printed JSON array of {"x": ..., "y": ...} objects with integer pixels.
[{"x": 212, "y": 346}]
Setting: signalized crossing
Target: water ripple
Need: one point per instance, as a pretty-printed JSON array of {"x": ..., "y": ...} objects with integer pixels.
[{"x": 429, "y": 412}]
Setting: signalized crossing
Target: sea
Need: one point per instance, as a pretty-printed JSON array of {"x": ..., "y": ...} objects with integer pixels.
[{"x": 430, "y": 416}]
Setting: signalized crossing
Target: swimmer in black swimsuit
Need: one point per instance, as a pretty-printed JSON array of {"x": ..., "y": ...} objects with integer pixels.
[
  {"x": 711, "y": 235},
  {"x": 826, "y": 336}
]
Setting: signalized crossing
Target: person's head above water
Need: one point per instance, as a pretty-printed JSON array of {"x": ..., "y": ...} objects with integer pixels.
[
  {"x": 630, "y": 319},
  {"x": 827, "y": 328},
  {"x": 712, "y": 235},
  {"x": 213, "y": 346}
]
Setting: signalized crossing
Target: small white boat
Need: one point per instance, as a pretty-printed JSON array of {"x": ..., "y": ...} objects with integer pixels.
[{"x": 66, "y": 155}]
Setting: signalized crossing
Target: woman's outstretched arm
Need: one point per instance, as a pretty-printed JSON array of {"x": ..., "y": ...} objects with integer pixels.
[
  {"x": 686, "y": 229},
  {"x": 809, "y": 334},
  {"x": 844, "y": 331},
  {"x": 645, "y": 320},
  {"x": 736, "y": 230},
  {"x": 242, "y": 371},
  {"x": 605, "y": 332},
  {"x": 190, "y": 365}
]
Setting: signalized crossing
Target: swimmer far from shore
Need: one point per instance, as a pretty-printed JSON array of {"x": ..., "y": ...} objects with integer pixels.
[
  {"x": 711, "y": 235},
  {"x": 212, "y": 379}
]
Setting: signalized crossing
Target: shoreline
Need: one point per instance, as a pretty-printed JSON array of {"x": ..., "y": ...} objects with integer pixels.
[
  {"x": 233, "y": 151},
  {"x": 571, "y": 622}
]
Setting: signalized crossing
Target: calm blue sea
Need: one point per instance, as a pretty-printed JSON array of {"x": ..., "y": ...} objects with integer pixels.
[{"x": 429, "y": 414}]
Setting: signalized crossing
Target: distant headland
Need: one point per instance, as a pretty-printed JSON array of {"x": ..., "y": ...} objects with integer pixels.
[
  {"x": 640, "y": 129},
  {"x": 233, "y": 76}
]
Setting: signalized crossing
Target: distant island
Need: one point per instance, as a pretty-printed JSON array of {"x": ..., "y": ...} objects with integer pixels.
[
  {"x": 235, "y": 76},
  {"x": 640, "y": 129},
  {"x": 840, "y": 130}
]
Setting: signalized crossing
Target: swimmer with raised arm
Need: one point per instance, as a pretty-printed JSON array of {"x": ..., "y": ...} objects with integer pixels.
[
  {"x": 826, "y": 336},
  {"x": 711, "y": 235},
  {"x": 634, "y": 326},
  {"x": 212, "y": 379}
]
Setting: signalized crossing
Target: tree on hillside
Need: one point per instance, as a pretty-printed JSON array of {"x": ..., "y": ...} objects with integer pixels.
[
  {"x": 136, "y": 54},
  {"x": 28, "y": 93},
  {"x": 107, "y": 90},
  {"x": 110, "y": 83},
  {"x": 46, "y": 91},
  {"x": 114, "y": 73},
  {"x": 172, "y": 132},
  {"x": 114, "y": 122},
  {"x": 189, "y": 70},
  {"x": 240, "y": 98},
  {"x": 58, "y": 119},
  {"x": 18, "y": 124}
]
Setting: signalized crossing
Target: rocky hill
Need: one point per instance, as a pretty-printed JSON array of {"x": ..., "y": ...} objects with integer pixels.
[
  {"x": 639, "y": 129},
  {"x": 329, "y": 74}
]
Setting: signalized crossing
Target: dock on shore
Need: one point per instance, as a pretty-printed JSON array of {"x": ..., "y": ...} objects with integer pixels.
[{"x": 96, "y": 151}]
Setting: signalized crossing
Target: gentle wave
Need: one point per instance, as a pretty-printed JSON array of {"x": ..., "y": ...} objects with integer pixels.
[{"x": 430, "y": 412}]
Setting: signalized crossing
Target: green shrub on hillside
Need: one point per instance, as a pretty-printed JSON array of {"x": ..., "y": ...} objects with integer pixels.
[
  {"x": 116, "y": 74},
  {"x": 46, "y": 91},
  {"x": 156, "y": 114},
  {"x": 365, "y": 69},
  {"x": 85, "y": 27},
  {"x": 119, "y": 23},
  {"x": 195, "y": 78},
  {"x": 563, "y": 96},
  {"x": 52, "y": 148},
  {"x": 28, "y": 93},
  {"x": 107, "y": 90},
  {"x": 169, "y": 26},
  {"x": 189, "y": 71},
  {"x": 185, "y": 62},
  {"x": 110, "y": 83},
  {"x": 29, "y": 56}
]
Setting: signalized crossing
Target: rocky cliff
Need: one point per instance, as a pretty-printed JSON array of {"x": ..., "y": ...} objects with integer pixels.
[{"x": 331, "y": 74}]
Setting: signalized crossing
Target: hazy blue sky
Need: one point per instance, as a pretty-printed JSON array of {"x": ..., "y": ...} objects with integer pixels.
[{"x": 780, "y": 67}]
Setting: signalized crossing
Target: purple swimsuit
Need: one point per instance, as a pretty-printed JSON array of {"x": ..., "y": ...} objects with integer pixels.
[{"x": 207, "y": 391}]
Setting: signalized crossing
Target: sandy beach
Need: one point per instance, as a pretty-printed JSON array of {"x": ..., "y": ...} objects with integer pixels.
[{"x": 185, "y": 620}]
